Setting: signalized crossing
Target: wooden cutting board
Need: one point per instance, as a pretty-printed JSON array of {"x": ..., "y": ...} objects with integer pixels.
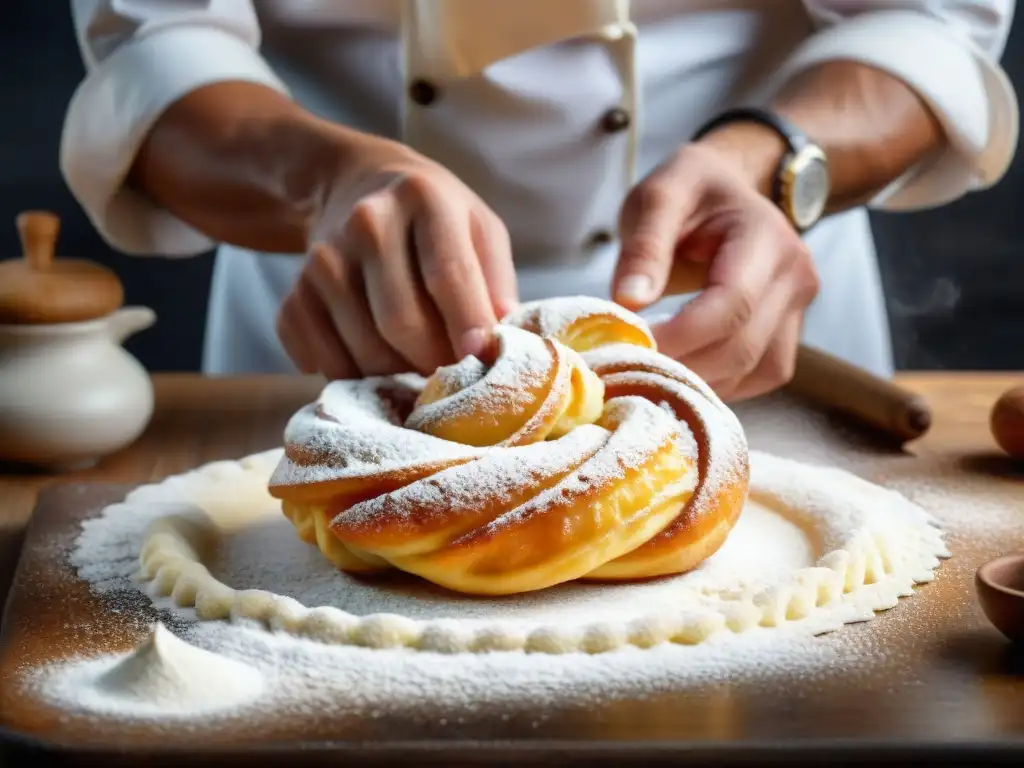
[{"x": 944, "y": 684}]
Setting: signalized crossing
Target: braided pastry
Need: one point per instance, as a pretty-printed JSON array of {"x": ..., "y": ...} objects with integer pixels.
[{"x": 576, "y": 451}]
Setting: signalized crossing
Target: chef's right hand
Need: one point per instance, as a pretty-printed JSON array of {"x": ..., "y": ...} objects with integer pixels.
[{"x": 407, "y": 270}]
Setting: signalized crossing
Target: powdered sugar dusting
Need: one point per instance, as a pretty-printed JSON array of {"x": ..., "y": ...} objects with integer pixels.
[
  {"x": 507, "y": 387},
  {"x": 725, "y": 445},
  {"x": 489, "y": 482},
  {"x": 640, "y": 429},
  {"x": 554, "y": 317},
  {"x": 460, "y": 375},
  {"x": 724, "y": 454},
  {"x": 630, "y": 357},
  {"x": 488, "y": 405},
  {"x": 354, "y": 431}
]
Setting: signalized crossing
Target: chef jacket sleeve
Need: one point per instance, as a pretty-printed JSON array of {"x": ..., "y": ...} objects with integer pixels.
[
  {"x": 140, "y": 57},
  {"x": 948, "y": 52}
]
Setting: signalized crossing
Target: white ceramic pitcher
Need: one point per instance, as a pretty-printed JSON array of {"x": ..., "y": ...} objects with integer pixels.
[{"x": 70, "y": 394}]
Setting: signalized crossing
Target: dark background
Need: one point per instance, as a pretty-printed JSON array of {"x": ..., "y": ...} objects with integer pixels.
[{"x": 954, "y": 276}]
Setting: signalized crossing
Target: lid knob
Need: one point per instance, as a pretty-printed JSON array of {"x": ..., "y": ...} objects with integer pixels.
[
  {"x": 40, "y": 288},
  {"x": 38, "y": 231}
]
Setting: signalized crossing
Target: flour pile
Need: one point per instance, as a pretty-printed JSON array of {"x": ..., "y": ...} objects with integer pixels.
[{"x": 163, "y": 677}]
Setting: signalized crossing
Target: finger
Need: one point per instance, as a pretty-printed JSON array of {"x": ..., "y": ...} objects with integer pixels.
[
  {"x": 776, "y": 368},
  {"x": 339, "y": 283},
  {"x": 741, "y": 273},
  {"x": 293, "y": 332},
  {"x": 740, "y": 354},
  {"x": 494, "y": 249},
  {"x": 450, "y": 268},
  {"x": 313, "y": 324},
  {"x": 651, "y": 224},
  {"x": 401, "y": 308}
]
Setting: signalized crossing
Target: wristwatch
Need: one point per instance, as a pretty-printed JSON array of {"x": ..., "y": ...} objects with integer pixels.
[{"x": 802, "y": 183}]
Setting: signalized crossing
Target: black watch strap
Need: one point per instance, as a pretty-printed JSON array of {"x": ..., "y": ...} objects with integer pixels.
[{"x": 793, "y": 136}]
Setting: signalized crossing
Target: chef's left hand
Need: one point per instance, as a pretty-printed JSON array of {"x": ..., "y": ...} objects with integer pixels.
[{"x": 741, "y": 333}]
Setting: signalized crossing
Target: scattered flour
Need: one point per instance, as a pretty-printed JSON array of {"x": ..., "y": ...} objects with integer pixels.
[
  {"x": 523, "y": 365},
  {"x": 287, "y": 566},
  {"x": 808, "y": 511},
  {"x": 303, "y": 677},
  {"x": 871, "y": 546},
  {"x": 300, "y": 674},
  {"x": 310, "y": 676}
]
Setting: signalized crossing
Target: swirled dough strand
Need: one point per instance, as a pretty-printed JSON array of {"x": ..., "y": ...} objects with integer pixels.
[{"x": 578, "y": 451}]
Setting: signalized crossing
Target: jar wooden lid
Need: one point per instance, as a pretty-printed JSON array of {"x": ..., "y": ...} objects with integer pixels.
[{"x": 40, "y": 289}]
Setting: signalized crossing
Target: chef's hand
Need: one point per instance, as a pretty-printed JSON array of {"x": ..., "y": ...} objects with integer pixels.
[
  {"x": 407, "y": 270},
  {"x": 741, "y": 333}
]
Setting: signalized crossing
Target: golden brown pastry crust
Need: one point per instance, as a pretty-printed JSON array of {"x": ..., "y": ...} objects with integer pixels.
[{"x": 540, "y": 466}]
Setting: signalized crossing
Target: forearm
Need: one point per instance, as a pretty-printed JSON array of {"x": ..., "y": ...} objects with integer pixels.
[
  {"x": 243, "y": 164},
  {"x": 872, "y": 127}
]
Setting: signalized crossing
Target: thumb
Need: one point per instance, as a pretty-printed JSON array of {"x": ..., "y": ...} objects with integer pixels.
[{"x": 649, "y": 228}]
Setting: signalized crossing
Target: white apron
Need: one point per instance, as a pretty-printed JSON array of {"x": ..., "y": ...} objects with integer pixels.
[{"x": 518, "y": 117}]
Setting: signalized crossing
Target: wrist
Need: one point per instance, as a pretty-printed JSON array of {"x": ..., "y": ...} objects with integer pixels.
[
  {"x": 754, "y": 151},
  {"x": 346, "y": 165},
  {"x": 776, "y": 158}
]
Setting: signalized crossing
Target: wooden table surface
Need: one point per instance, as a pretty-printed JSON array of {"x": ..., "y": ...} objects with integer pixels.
[
  {"x": 950, "y": 676},
  {"x": 203, "y": 419}
]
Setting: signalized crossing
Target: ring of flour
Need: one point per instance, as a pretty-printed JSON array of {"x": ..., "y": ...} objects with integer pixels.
[{"x": 878, "y": 545}]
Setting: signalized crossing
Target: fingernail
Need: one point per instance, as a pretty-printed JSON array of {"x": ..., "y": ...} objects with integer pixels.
[
  {"x": 507, "y": 307},
  {"x": 473, "y": 342},
  {"x": 638, "y": 289}
]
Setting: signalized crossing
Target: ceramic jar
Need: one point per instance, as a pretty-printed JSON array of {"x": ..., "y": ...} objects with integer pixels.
[{"x": 70, "y": 394}]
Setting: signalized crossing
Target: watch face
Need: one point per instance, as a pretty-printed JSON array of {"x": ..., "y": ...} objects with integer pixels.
[{"x": 810, "y": 189}]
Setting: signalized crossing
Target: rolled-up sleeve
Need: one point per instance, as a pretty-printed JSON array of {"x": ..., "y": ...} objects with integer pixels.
[
  {"x": 948, "y": 53},
  {"x": 141, "y": 56}
]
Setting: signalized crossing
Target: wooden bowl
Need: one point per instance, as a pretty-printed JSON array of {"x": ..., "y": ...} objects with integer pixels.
[{"x": 1000, "y": 586}]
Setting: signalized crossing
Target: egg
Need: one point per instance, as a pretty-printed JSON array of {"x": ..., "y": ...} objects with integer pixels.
[{"x": 1007, "y": 422}]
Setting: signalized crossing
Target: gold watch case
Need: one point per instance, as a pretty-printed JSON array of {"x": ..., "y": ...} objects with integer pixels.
[{"x": 804, "y": 186}]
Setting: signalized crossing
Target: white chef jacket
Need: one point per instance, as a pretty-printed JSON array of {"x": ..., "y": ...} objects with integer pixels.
[{"x": 522, "y": 90}]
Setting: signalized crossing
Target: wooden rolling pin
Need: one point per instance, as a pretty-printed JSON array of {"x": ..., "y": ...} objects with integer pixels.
[{"x": 834, "y": 384}]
